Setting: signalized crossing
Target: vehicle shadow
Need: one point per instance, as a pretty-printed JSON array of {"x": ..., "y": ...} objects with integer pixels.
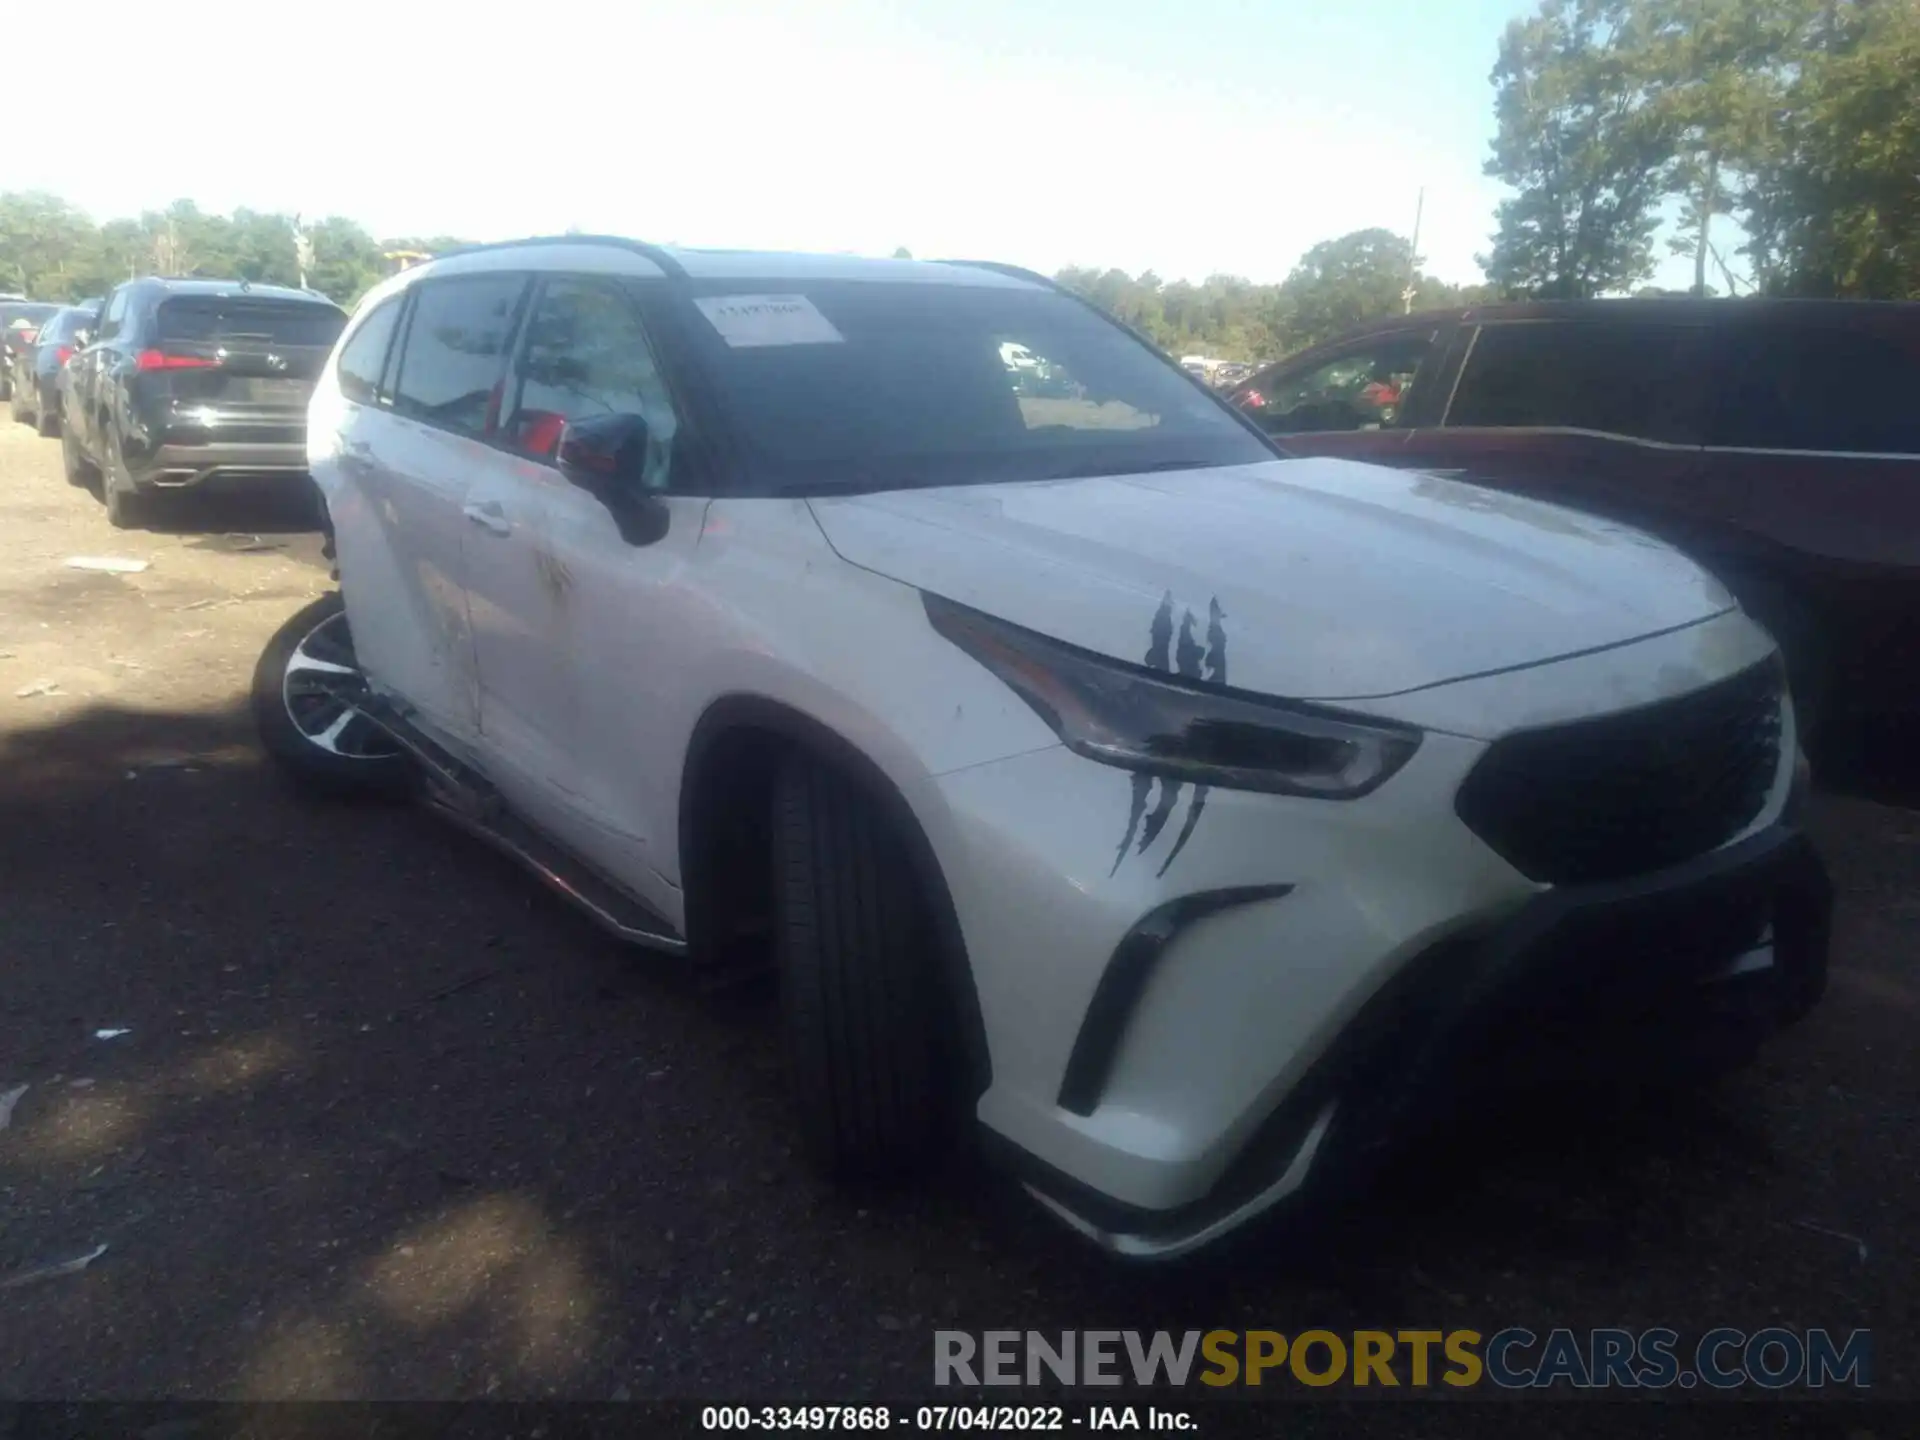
[
  {"x": 361, "y": 1112},
  {"x": 259, "y": 511}
]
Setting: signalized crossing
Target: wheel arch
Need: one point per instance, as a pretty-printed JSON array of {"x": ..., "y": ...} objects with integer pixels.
[{"x": 747, "y": 735}]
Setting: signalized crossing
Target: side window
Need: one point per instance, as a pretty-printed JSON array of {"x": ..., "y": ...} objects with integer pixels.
[
  {"x": 452, "y": 367},
  {"x": 1364, "y": 388},
  {"x": 365, "y": 355},
  {"x": 586, "y": 354},
  {"x": 1642, "y": 381},
  {"x": 115, "y": 314},
  {"x": 1821, "y": 389}
]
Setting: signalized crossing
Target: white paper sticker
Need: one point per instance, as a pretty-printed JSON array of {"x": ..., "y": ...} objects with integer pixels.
[{"x": 746, "y": 321}]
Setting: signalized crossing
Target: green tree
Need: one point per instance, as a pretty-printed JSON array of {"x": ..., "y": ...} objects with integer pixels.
[
  {"x": 347, "y": 261},
  {"x": 45, "y": 244},
  {"x": 1833, "y": 207},
  {"x": 1342, "y": 283},
  {"x": 1587, "y": 153}
]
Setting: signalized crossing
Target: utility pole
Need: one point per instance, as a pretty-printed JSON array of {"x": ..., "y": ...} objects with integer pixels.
[
  {"x": 1706, "y": 222},
  {"x": 1413, "y": 255},
  {"x": 302, "y": 251}
]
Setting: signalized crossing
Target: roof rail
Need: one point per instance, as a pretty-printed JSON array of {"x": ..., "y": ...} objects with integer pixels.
[
  {"x": 639, "y": 247},
  {"x": 999, "y": 267}
]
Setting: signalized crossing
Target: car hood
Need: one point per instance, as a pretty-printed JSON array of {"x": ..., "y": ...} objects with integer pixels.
[{"x": 1316, "y": 579}]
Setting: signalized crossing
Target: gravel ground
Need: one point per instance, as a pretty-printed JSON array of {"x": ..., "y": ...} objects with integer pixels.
[{"x": 386, "y": 1122}]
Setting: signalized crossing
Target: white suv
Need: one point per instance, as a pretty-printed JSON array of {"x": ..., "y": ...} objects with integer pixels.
[{"x": 1189, "y": 816}]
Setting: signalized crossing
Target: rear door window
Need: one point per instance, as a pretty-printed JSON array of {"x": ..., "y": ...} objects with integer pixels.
[
  {"x": 222, "y": 320},
  {"x": 452, "y": 366},
  {"x": 115, "y": 316},
  {"x": 365, "y": 357},
  {"x": 1820, "y": 388},
  {"x": 1642, "y": 381}
]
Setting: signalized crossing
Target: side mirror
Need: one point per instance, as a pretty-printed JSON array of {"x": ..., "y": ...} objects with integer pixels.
[{"x": 606, "y": 455}]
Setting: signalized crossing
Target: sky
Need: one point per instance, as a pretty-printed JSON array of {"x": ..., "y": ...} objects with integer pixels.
[{"x": 1189, "y": 137}]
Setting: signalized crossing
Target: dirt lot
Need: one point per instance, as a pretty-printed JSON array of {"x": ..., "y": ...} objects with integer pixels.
[{"x": 386, "y": 1122}]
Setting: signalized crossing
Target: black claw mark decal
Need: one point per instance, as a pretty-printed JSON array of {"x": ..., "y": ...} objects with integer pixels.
[
  {"x": 1159, "y": 652},
  {"x": 1142, "y": 787},
  {"x": 1191, "y": 659}
]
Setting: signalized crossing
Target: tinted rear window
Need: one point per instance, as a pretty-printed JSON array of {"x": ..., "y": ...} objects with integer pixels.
[
  {"x": 845, "y": 384},
  {"x": 11, "y": 315},
  {"x": 1821, "y": 388},
  {"x": 275, "y": 322},
  {"x": 1644, "y": 381}
]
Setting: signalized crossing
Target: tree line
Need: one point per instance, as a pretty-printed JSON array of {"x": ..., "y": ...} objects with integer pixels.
[{"x": 50, "y": 250}]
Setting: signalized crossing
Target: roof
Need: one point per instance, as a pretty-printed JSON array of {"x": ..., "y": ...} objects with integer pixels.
[
  {"x": 202, "y": 285},
  {"x": 630, "y": 256}
]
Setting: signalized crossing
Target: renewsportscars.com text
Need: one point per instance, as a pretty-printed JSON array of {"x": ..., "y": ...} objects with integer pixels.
[{"x": 1775, "y": 1358}]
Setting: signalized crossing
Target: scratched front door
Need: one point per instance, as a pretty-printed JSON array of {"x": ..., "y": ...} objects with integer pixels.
[{"x": 567, "y": 615}]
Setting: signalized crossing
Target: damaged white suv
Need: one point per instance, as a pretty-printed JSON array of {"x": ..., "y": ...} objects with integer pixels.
[{"x": 1191, "y": 818}]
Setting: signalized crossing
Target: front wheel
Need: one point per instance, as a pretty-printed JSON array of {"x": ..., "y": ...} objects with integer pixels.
[
  {"x": 857, "y": 989},
  {"x": 304, "y": 692}
]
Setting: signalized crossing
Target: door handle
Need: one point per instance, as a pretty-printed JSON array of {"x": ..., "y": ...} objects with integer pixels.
[{"x": 489, "y": 516}]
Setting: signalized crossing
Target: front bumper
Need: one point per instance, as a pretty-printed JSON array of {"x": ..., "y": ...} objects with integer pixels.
[{"x": 1679, "y": 972}]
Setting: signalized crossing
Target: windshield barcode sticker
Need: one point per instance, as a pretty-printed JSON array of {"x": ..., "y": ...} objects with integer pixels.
[{"x": 746, "y": 321}]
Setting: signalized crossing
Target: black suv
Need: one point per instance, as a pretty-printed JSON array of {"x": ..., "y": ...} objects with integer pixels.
[
  {"x": 1777, "y": 441},
  {"x": 38, "y": 363},
  {"x": 19, "y": 322},
  {"x": 188, "y": 381}
]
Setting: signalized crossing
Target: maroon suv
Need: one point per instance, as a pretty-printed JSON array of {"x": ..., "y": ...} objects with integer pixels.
[{"x": 1778, "y": 441}]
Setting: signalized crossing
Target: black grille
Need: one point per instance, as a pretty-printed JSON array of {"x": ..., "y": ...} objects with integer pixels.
[{"x": 1631, "y": 793}]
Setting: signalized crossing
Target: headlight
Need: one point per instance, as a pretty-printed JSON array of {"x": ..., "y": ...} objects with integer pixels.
[{"x": 1160, "y": 724}]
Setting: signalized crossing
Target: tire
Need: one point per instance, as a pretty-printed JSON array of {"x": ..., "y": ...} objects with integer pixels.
[
  {"x": 15, "y": 409},
  {"x": 857, "y": 988},
  {"x": 46, "y": 418},
  {"x": 380, "y": 771},
  {"x": 78, "y": 471},
  {"x": 127, "y": 508}
]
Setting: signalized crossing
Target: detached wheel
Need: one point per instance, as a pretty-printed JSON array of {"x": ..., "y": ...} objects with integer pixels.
[
  {"x": 304, "y": 689},
  {"x": 857, "y": 989}
]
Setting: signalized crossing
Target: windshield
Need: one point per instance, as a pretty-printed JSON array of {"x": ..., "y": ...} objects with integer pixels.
[{"x": 871, "y": 385}]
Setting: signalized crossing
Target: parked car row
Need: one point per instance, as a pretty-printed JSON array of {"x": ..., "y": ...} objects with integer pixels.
[
  {"x": 1192, "y": 820},
  {"x": 1777, "y": 442},
  {"x": 166, "y": 385}
]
